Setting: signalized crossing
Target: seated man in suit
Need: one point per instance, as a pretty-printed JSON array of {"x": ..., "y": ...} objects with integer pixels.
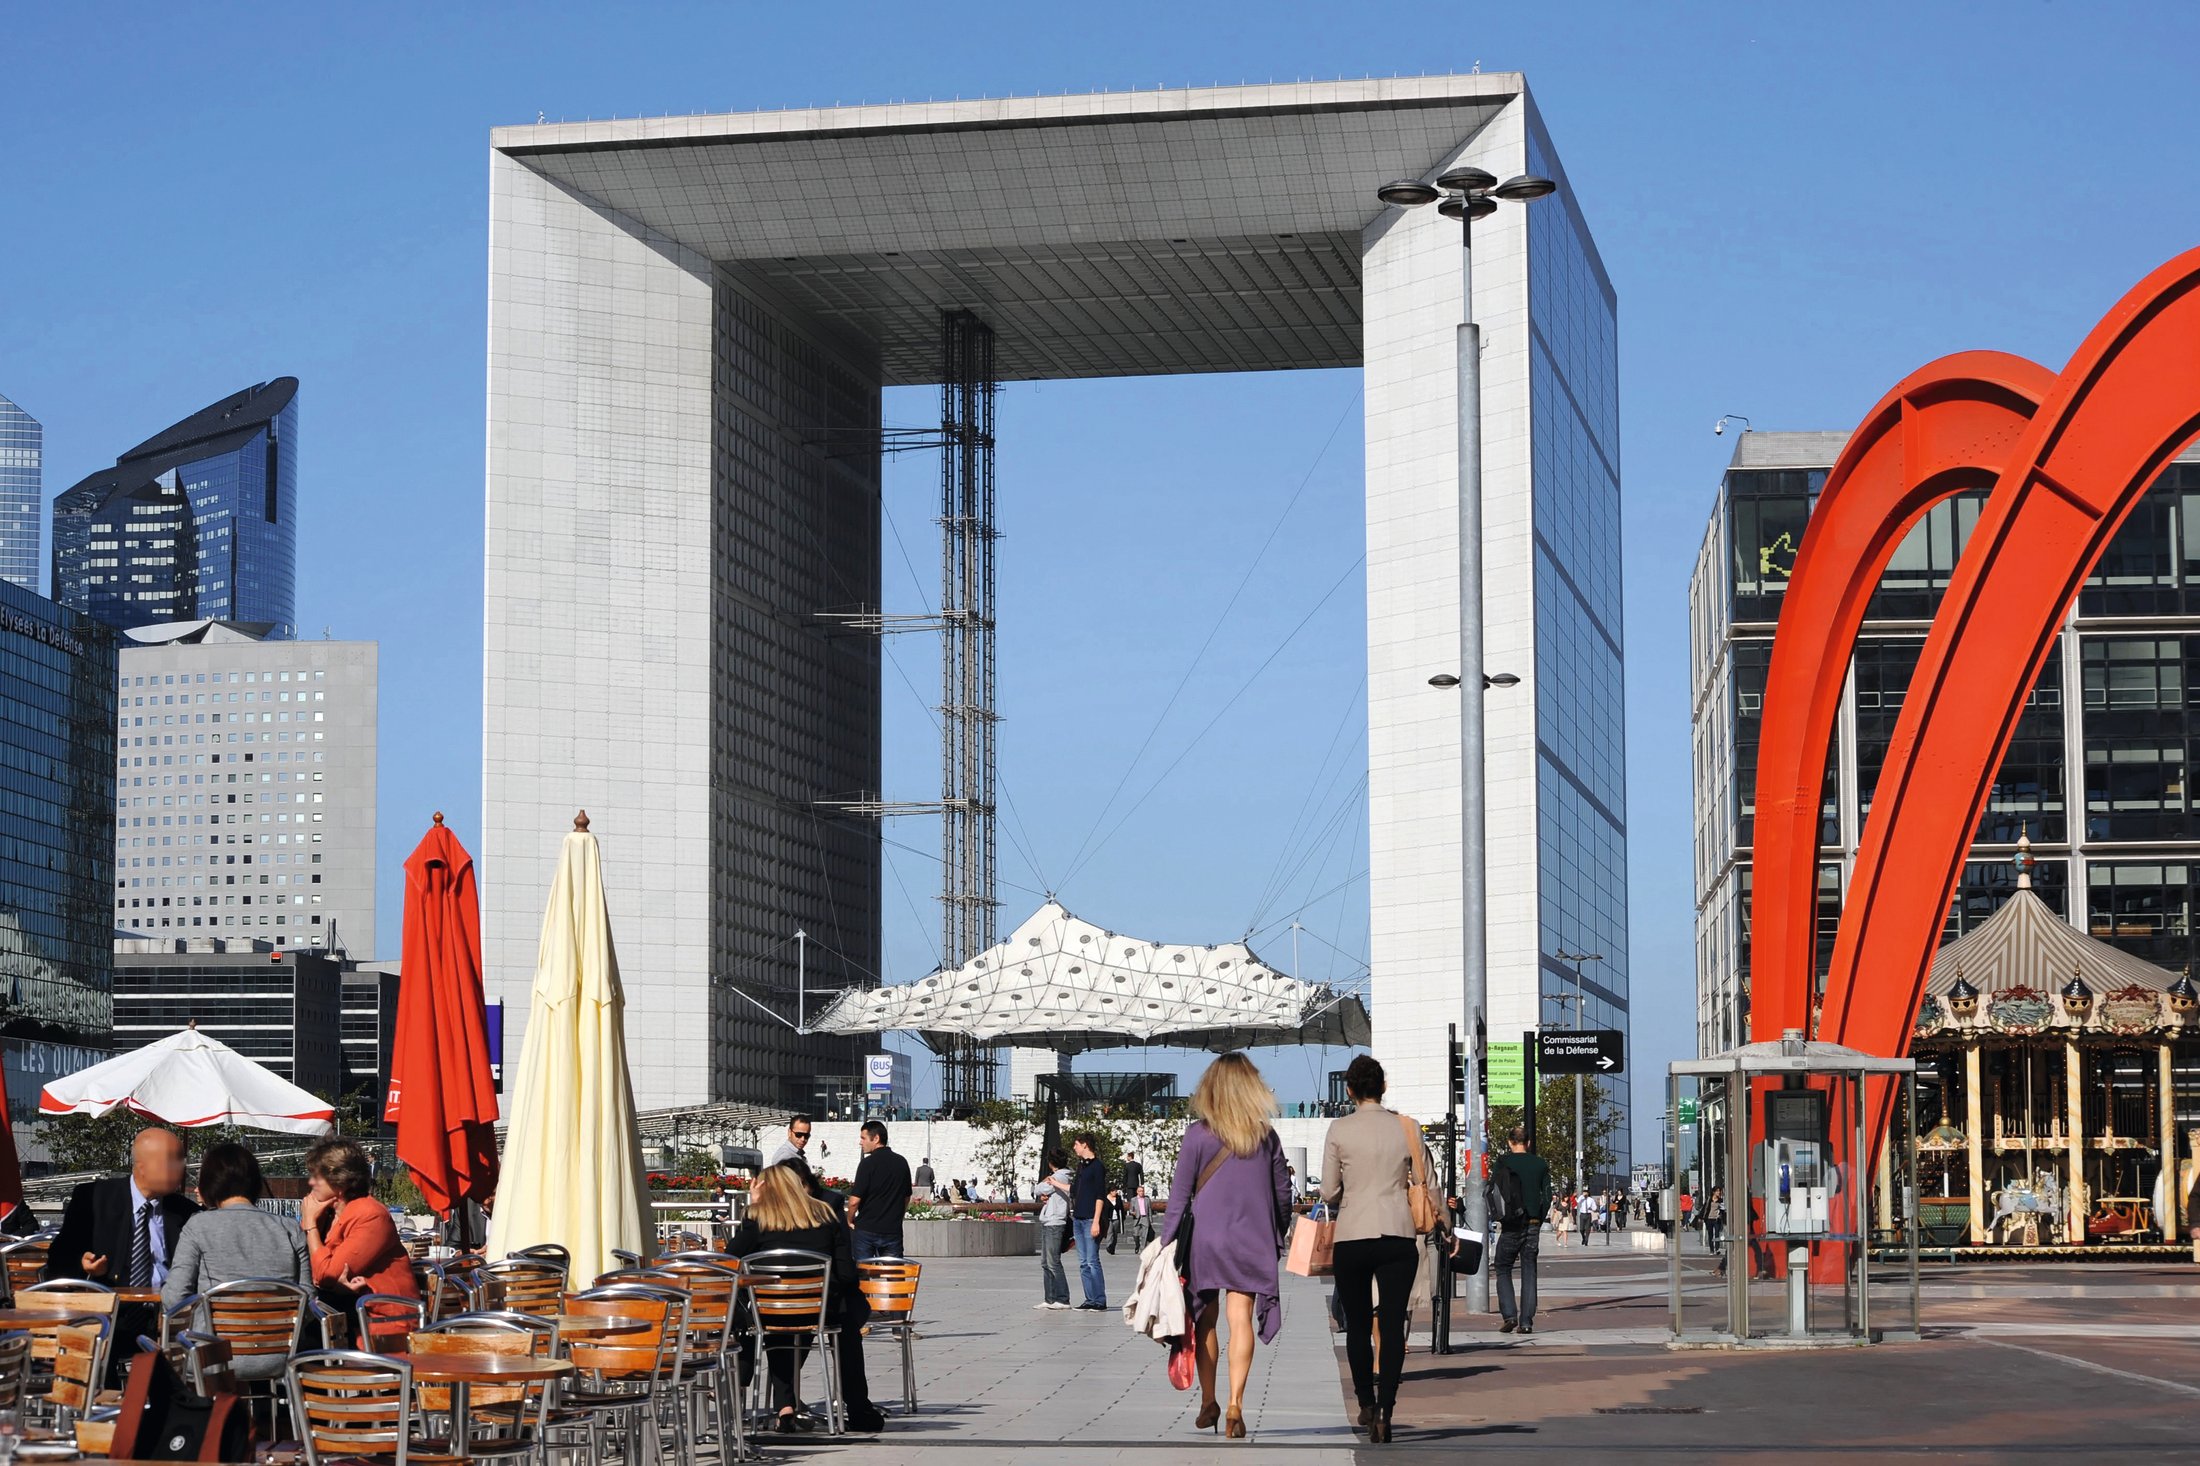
[{"x": 122, "y": 1230}]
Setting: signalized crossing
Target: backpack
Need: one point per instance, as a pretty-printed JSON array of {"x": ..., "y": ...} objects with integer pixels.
[
  {"x": 1511, "y": 1206},
  {"x": 164, "y": 1419}
]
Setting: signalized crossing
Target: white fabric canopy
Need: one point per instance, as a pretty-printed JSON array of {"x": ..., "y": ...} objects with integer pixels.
[
  {"x": 190, "y": 1079},
  {"x": 573, "y": 1158},
  {"x": 1064, "y": 984}
]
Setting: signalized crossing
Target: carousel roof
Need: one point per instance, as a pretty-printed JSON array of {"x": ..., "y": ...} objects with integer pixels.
[
  {"x": 1060, "y": 983},
  {"x": 2026, "y": 945}
]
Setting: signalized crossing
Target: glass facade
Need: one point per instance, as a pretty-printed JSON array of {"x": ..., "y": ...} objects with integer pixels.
[
  {"x": 2113, "y": 718},
  {"x": 22, "y": 494},
  {"x": 283, "y": 1010},
  {"x": 198, "y": 522},
  {"x": 1581, "y": 772},
  {"x": 57, "y": 792}
]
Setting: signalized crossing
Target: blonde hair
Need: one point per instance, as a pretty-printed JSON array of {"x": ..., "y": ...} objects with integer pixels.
[
  {"x": 1236, "y": 1103},
  {"x": 780, "y": 1202}
]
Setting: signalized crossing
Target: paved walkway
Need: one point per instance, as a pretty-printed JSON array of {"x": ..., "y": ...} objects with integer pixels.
[{"x": 999, "y": 1381}]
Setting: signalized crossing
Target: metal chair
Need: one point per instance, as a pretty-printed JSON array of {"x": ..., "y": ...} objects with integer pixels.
[
  {"x": 517, "y": 1414},
  {"x": 790, "y": 1300},
  {"x": 522, "y": 1284},
  {"x": 889, "y": 1285},
  {"x": 74, "y": 1302},
  {"x": 546, "y": 1252},
  {"x": 630, "y": 1379},
  {"x": 449, "y": 1288},
  {"x": 15, "y": 1369},
  {"x": 625, "y": 1258},
  {"x": 263, "y": 1320},
  {"x": 712, "y": 1369},
  {"x": 24, "y": 1262},
  {"x": 345, "y": 1404},
  {"x": 386, "y": 1320}
]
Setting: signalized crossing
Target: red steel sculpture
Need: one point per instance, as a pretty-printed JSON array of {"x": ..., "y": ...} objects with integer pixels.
[{"x": 2068, "y": 456}]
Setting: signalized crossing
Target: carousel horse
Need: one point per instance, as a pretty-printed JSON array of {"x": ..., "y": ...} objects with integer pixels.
[{"x": 2025, "y": 1202}]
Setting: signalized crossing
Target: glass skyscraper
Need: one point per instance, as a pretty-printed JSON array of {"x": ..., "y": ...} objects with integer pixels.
[
  {"x": 57, "y": 814},
  {"x": 197, "y": 522},
  {"x": 22, "y": 453}
]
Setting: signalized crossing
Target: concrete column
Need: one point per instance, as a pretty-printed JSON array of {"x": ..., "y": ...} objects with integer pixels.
[
  {"x": 2074, "y": 1112},
  {"x": 1973, "y": 1128},
  {"x": 2170, "y": 1218}
]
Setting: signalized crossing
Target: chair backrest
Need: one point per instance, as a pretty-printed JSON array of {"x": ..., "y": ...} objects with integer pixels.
[
  {"x": 625, "y": 1258},
  {"x": 386, "y": 1320},
  {"x": 347, "y": 1403},
  {"x": 450, "y": 1287},
  {"x": 546, "y": 1252},
  {"x": 79, "y": 1359},
  {"x": 712, "y": 1294},
  {"x": 704, "y": 1257},
  {"x": 523, "y": 1284},
  {"x": 514, "y": 1335},
  {"x": 25, "y": 1262},
  {"x": 71, "y": 1295},
  {"x": 789, "y": 1290},
  {"x": 15, "y": 1368},
  {"x": 259, "y": 1318},
  {"x": 643, "y": 1355},
  {"x": 890, "y": 1287},
  {"x": 209, "y": 1364}
]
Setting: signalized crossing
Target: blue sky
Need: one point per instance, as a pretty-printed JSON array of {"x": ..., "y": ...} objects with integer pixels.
[{"x": 1797, "y": 206}]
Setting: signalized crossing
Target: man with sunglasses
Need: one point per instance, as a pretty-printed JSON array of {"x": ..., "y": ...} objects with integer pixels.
[{"x": 796, "y": 1146}]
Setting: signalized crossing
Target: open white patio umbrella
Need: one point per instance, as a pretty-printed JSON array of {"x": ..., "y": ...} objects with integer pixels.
[
  {"x": 573, "y": 1155},
  {"x": 190, "y": 1079}
]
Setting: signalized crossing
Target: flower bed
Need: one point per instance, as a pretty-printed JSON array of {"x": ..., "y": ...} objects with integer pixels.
[{"x": 969, "y": 1236}]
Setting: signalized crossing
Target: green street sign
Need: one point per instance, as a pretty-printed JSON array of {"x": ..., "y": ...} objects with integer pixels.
[
  {"x": 1688, "y": 1112},
  {"x": 1508, "y": 1074}
]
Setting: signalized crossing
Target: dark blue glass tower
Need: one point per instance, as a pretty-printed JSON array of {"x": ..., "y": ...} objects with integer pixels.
[
  {"x": 198, "y": 522},
  {"x": 21, "y": 451}
]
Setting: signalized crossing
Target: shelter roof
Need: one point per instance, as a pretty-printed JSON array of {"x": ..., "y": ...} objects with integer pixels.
[
  {"x": 1113, "y": 234},
  {"x": 2026, "y": 945},
  {"x": 1062, "y": 983}
]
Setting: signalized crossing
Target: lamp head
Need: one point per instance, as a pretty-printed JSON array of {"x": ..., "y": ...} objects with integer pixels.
[
  {"x": 1407, "y": 193},
  {"x": 1467, "y": 205},
  {"x": 1466, "y": 180},
  {"x": 1524, "y": 188}
]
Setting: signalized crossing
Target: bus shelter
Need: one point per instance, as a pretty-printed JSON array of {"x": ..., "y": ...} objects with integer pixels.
[{"x": 1774, "y": 1144}]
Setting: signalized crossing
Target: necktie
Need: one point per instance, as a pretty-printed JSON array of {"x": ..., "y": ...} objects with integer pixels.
[{"x": 141, "y": 1248}]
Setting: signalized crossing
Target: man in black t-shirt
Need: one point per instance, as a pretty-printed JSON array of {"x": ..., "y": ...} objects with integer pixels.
[{"x": 879, "y": 1196}]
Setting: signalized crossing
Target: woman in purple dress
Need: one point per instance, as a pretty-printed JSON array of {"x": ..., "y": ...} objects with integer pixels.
[{"x": 1233, "y": 1182}]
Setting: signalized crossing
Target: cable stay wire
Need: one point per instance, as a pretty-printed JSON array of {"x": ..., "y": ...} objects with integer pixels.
[
  {"x": 1321, "y": 844},
  {"x": 1309, "y": 804},
  {"x": 1288, "y": 917},
  {"x": 1220, "y": 713},
  {"x": 1076, "y": 862}
]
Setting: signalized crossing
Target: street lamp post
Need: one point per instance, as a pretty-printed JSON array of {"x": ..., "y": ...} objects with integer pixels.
[
  {"x": 1579, "y": 1000},
  {"x": 1468, "y": 194}
]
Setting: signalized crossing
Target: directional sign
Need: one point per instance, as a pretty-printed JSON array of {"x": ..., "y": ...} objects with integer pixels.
[
  {"x": 1584, "y": 1051},
  {"x": 1508, "y": 1074},
  {"x": 1688, "y": 1112}
]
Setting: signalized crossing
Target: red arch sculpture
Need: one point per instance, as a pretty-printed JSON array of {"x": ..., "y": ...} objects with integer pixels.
[{"x": 2101, "y": 432}]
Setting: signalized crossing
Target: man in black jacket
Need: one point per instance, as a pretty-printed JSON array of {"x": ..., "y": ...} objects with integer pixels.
[{"x": 122, "y": 1230}]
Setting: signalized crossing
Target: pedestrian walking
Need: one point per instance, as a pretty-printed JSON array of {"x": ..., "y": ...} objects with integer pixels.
[
  {"x": 1714, "y": 1223},
  {"x": 1369, "y": 1159},
  {"x": 1056, "y": 1182},
  {"x": 1585, "y": 1215},
  {"x": 878, "y": 1198},
  {"x": 1088, "y": 1208},
  {"x": 926, "y": 1186},
  {"x": 1236, "y": 1190},
  {"x": 1129, "y": 1186},
  {"x": 1522, "y": 1182}
]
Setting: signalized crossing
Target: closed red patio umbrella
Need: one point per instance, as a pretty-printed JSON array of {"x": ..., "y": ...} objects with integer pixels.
[{"x": 442, "y": 1095}]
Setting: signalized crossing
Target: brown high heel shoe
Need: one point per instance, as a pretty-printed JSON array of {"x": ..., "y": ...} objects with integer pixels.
[
  {"x": 1209, "y": 1413},
  {"x": 1233, "y": 1427}
]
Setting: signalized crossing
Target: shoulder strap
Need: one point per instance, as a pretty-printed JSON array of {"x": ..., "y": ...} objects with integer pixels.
[
  {"x": 1208, "y": 1172},
  {"x": 1413, "y": 1148}
]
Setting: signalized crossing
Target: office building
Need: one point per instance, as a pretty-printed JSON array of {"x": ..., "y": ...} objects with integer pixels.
[
  {"x": 244, "y": 788},
  {"x": 369, "y": 1032},
  {"x": 278, "y": 1008},
  {"x": 199, "y": 522},
  {"x": 684, "y": 431},
  {"x": 2099, "y": 775},
  {"x": 57, "y": 810},
  {"x": 22, "y": 494}
]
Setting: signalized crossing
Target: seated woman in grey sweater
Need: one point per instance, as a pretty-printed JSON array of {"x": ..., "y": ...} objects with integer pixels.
[{"x": 233, "y": 1238}]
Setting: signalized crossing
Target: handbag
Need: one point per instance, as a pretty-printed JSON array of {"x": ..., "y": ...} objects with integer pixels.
[
  {"x": 1427, "y": 1214},
  {"x": 1313, "y": 1246},
  {"x": 164, "y": 1419},
  {"x": 1183, "y": 1364}
]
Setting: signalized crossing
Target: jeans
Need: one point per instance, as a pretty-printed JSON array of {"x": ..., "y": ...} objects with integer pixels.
[
  {"x": 1051, "y": 1274},
  {"x": 1363, "y": 1268},
  {"x": 867, "y": 1245},
  {"x": 1089, "y": 1276},
  {"x": 1517, "y": 1247}
]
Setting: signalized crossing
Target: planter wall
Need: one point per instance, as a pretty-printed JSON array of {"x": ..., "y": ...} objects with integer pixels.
[{"x": 964, "y": 1237}]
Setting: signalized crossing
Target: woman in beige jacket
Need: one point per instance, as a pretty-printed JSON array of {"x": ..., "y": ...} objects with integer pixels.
[{"x": 1367, "y": 1161}]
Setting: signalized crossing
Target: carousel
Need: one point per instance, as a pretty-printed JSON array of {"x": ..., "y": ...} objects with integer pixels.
[{"x": 2046, "y": 1063}]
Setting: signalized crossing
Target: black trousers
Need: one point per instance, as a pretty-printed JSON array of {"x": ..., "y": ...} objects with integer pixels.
[
  {"x": 1359, "y": 1268},
  {"x": 785, "y": 1361}
]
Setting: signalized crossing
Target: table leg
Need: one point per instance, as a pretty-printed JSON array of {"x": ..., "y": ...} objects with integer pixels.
[{"x": 462, "y": 1426}]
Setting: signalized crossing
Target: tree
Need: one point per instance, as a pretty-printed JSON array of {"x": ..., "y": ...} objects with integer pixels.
[
  {"x": 91, "y": 1143},
  {"x": 1007, "y": 1153},
  {"x": 1554, "y": 1126}
]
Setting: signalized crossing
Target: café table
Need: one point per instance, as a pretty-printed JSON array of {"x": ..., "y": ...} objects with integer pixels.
[
  {"x": 594, "y": 1326},
  {"x": 463, "y": 1371}
]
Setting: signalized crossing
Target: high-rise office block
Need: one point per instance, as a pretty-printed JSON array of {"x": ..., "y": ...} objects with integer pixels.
[
  {"x": 22, "y": 494},
  {"x": 684, "y": 433},
  {"x": 197, "y": 522},
  {"x": 277, "y": 1008},
  {"x": 2100, "y": 774},
  {"x": 245, "y": 782},
  {"x": 57, "y": 811}
]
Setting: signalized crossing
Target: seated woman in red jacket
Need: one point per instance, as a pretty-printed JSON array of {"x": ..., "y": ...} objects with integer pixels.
[
  {"x": 783, "y": 1213},
  {"x": 349, "y": 1235}
]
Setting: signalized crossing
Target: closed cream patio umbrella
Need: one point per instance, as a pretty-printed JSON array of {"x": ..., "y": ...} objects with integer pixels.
[{"x": 573, "y": 1157}]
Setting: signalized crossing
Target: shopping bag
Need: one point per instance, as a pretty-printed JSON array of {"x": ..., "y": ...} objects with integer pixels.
[
  {"x": 1183, "y": 1367},
  {"x": 1313, "y": 1247}
]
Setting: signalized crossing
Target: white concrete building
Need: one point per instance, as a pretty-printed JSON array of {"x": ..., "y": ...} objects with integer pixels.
[
  {"x": 683, "y": 311},
  {"x": 244, "y": 787}
]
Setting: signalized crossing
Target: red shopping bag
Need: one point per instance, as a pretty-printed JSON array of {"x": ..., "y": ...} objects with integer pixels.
[{"x": 1183, "y": 1368}]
